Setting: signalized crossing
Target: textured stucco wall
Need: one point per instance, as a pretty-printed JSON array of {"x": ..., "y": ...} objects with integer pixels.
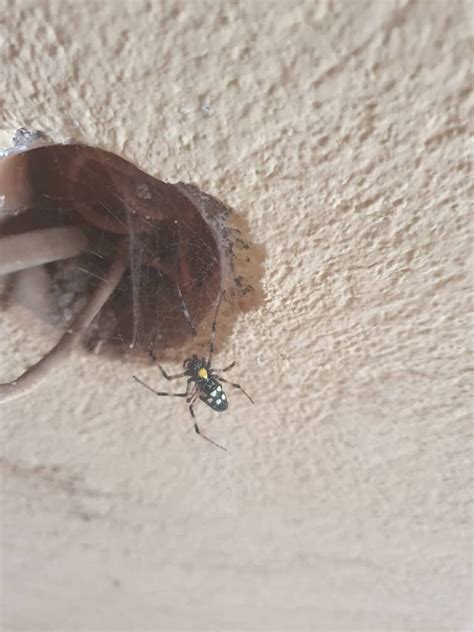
[{"x": 340, "y": 131}]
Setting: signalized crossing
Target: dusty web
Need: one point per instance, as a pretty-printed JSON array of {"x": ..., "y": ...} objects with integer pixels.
[{"x": 171, "y": 248}]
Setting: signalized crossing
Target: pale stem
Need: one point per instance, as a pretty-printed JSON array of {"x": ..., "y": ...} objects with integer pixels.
[
  {"x": 36, "y": 374},
  {"x": 35, "y": 248}
]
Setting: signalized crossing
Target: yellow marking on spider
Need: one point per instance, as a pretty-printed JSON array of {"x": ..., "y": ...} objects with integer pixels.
[{"x": 203, "y": 373}]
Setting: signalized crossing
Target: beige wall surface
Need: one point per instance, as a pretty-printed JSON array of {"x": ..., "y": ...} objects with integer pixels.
[{"x": 339, "y": 130}]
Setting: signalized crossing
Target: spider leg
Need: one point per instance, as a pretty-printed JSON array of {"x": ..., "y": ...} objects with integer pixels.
[
  {"x": 171, "y": 377},
  {"x": 191, "y": 400},
  {"x": 221, "y": 379},
  {"x": 193, "y": 395},
  {"x": 163, "y": 372},
  {"x": 159, "y": 392},
  {"x": 185, "y": 311},
  {"x": 213, "y": 330},
  {"x": 227, "y": 368},
  {"x": 197, "y": 430}
]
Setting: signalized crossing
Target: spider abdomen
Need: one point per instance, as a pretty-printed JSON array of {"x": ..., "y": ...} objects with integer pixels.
[{"x": 213, "y": 395}]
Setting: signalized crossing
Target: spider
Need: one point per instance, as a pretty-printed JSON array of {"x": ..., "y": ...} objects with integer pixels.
[{"x": 204, "y": 382}]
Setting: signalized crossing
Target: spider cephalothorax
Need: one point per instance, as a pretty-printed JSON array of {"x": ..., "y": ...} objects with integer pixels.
[
  {"x": 204, "y": 382},
  {"x": 192, "y": 365}
]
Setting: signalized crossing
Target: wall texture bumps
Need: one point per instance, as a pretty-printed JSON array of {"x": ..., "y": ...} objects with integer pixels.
[{"x": 339, "y": 130}]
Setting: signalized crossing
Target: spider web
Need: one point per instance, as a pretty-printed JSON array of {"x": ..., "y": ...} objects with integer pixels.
[{"x": 178, "y": 243}]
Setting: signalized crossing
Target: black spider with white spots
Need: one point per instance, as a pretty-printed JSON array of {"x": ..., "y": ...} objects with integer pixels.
[
  {"x": 204, "y": 382},
  {"x": 207, "y": 383}
]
